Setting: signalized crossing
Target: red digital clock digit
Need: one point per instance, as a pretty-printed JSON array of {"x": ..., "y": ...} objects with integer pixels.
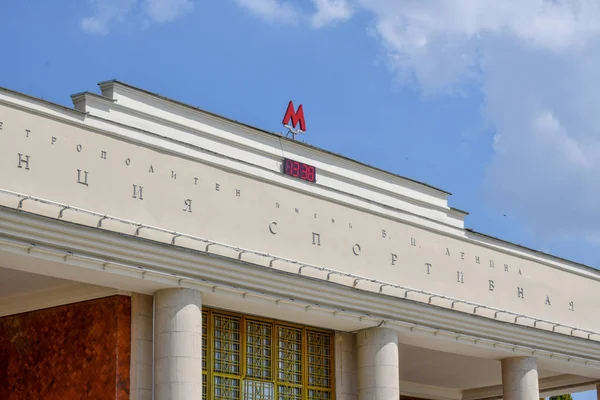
[{"x": 299, "y": 170}]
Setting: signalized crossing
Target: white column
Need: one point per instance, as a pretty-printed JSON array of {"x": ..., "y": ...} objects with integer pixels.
[
  {"x": 520, "y": 378},
  {"x": 378, "y": 372},
  {"x": 178, "y": 344}
]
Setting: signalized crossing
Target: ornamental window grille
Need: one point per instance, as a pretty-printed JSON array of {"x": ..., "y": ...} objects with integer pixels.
[{"x": 250, "y": 358}]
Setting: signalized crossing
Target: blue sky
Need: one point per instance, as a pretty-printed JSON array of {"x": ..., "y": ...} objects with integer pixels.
[
  {"x": 493, "y": 101},
  {"x": 495, "y": 104}
]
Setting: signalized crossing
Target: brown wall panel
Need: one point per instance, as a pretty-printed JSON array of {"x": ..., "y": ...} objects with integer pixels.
[{"x": 76, "y": 351}]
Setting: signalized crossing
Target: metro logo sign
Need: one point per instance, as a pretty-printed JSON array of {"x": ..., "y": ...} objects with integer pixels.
[{"x": 297, "y": 117}]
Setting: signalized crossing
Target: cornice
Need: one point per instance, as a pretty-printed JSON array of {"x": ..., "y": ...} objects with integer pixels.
[{"x": 176, "y": 266}]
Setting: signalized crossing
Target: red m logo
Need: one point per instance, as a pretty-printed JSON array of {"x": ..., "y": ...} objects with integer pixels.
[{"x": 295, "y": 116}]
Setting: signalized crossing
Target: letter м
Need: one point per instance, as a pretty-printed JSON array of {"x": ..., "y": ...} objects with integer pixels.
[{"x": 295, "y": 116}]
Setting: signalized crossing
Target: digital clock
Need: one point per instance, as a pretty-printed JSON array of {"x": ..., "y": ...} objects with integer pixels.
[{"x": 299, "y": 170}]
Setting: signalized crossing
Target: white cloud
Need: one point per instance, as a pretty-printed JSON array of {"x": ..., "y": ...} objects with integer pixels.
[
  {"x": 326, "y": 12},
  {"x": 272, "y": 10},
  {"x": 536, "y": 62},
  {"x": 167, "y": 10},
  {"x": 330, "y": 11},
  {"x": 109, "y": 12},
  {"x": 105, "y": 12}
]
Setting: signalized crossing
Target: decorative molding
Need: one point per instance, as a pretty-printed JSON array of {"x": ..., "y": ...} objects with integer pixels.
[
  {"x": 320, "y": 273},
  {"x": 171, "y": 266}
]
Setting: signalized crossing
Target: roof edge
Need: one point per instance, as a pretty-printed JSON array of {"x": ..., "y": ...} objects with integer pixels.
[
  {"x": 91, "y": 94},
  {"x": 264, "y": 131},
  {"x": 539, "y": 252}
]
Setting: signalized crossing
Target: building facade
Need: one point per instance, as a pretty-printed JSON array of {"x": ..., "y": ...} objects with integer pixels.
[{"x": 153, "y": 250}]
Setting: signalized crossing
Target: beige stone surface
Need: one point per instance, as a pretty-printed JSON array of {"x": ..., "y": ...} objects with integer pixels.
[
  {"x": 141, "y": 347},
  {"x": 391, "y": 251},
  {"x": 520, "y": 378},
  {"x": 378, "y": 364},
  {"x": 178, "y": 345},
  {"x": 346, "y": 375}
]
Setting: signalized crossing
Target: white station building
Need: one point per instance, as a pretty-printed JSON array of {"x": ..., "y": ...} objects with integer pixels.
[{"x": 153, "y": 250}]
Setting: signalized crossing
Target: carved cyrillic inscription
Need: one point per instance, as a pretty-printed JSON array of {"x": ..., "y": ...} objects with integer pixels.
[
  {"x": 438, "y": 247},
  {"x": 273, "y": 227},
  {"x": 138, "y": 191},
  {"x": 82, "y": 177},
  {"x": 23, "y": 161},
  {"x": 316, "y": 239}
]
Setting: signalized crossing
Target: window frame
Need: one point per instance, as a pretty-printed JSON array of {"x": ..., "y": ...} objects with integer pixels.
[{"x": 208, "y": 372}]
